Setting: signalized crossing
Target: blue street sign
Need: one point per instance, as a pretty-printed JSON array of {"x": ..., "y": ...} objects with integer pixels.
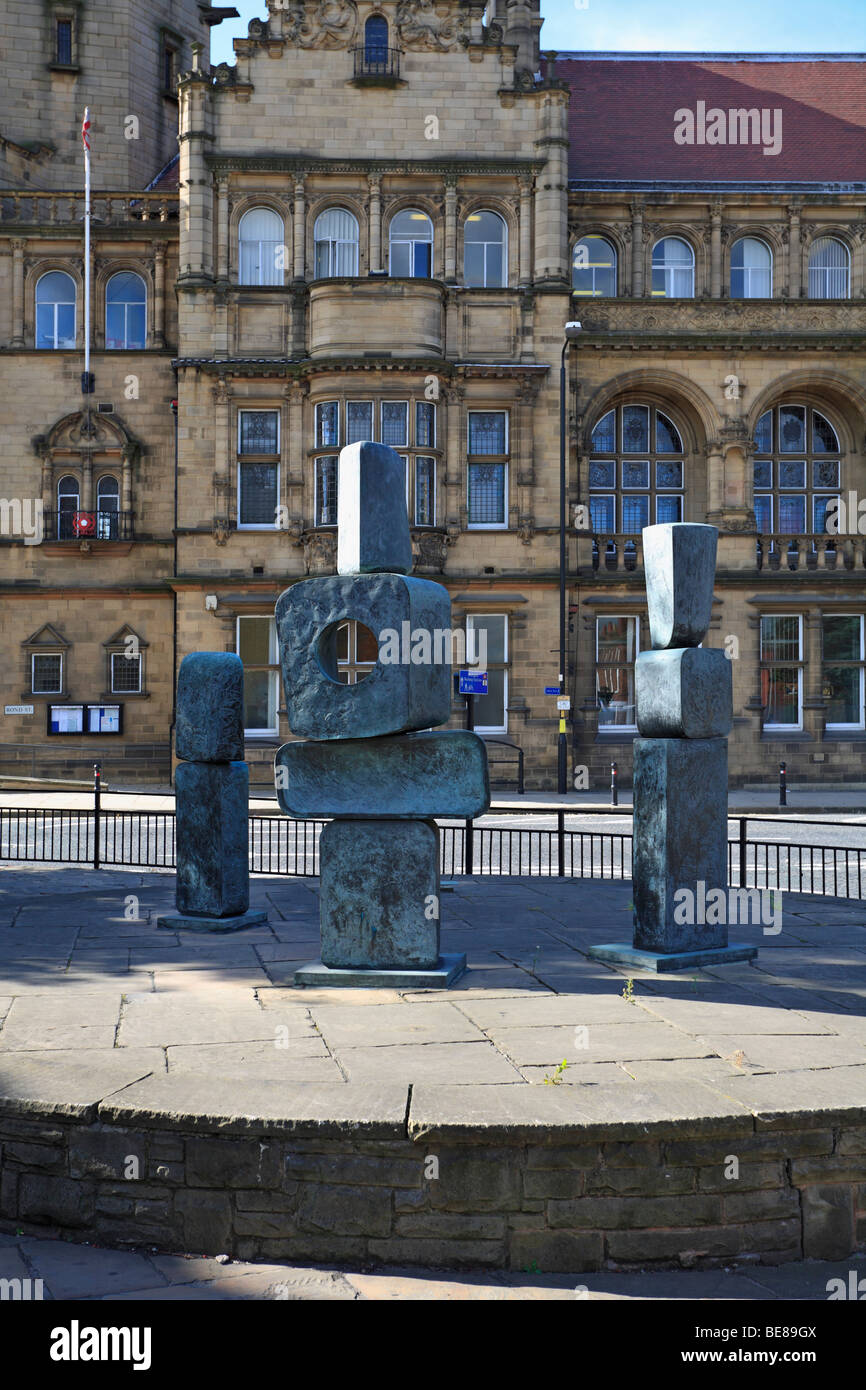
[
  {"x": 472, "y": 683},
  {"x": 551, "y": 690}
]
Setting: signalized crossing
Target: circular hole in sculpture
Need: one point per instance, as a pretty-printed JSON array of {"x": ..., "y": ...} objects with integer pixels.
[{"x": 348, "y": 652}]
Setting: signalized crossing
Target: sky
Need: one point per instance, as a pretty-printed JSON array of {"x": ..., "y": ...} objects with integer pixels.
[{"x": 733, "y": 26}]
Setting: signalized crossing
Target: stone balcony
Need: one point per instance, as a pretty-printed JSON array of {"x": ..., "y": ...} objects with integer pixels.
[
  {"x": 616, "y": 556},
  {"x": 394, "y": 318},
  {"x": 57, "y": 210}
]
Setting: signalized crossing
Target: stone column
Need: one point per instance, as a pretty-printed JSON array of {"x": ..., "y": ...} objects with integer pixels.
[
  {"x": 794, "y": 252},
  {"x": 129, "y": 455},
  {"x": 525, "y": 270},
  {"x": 450, "y": 228},
  {"x": 716, "y": 250},
  {"x": 637, "y": 250},
  {"x": 195, "y": 185},
  {"x": 87, "y": 481},
  {"x": 18, "y": 293},
  {"x": 551, "y": 191},
  {"x": 814, "y": 706},
  {"x": 454, "y": 460},
  {"x": 222, "y": 228},
  {"x": 715, "y": 480},
  {"x": 375, "y": 185},
  {"x": 159, "y": 296},
  {"x": 299, "y": 229}
]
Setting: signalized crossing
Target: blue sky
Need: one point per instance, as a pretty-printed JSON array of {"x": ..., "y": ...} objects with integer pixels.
[{"x": 734, "y": 26}]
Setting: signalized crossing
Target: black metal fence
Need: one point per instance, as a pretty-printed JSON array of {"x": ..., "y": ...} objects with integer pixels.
[{"x": 545, "y": 841}]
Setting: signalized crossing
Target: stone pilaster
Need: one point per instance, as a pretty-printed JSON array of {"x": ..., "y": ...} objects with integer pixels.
[
  {"x": 299, "y": 229},
  {"x": 17, "y": 292},
  {"x": 450, "y": 228},
  {"x": 374, "y": 183},
  {"x": 637, "y": 250}
]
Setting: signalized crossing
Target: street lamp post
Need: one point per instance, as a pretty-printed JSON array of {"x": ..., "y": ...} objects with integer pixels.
[{"x": 572, "y": 331}]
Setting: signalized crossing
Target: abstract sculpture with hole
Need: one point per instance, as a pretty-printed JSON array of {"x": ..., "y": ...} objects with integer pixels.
[{"x": 368, "y": 756}]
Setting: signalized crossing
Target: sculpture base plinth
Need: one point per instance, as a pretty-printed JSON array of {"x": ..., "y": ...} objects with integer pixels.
[
  {"x": 622, "y": 953},
  {"x": 178, "y": 921},
  {"x": 448, "y": 969}
]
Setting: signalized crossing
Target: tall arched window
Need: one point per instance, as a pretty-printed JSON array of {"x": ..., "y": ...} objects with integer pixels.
[
  {"x": 751, "y": 269},
  {"x": 68, "y": 507},
  {"x": 635, "y": 470},
  {"x": 484, "y": 250},
  {"x": 797, "y": 470},
  {"x": 829, "y": 269},
  {"x": 673, "y": 269},
  {"x": 260, "y": 243},
  {"x": 411, "y": 237},
  {"x": 107, "y": 508},
  {"x": 593, "y": 267},
  {"x": 125, "y": 311},
  {"x": 336, "y": 238},
  {"x": 376, "y": 41},
  {"x": 55, "y": 310}
]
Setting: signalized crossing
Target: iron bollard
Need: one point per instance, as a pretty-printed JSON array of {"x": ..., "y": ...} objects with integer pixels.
[
  {"x": 614, "y": 794},
  {"x": 97, "y": 799},
  {"x": 783, "y": 786}
]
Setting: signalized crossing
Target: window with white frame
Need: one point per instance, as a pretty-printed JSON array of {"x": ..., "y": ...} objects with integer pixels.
[
  {"x": 395, "y": 424},
  {"x": 593, "y": 272},
  {"x": 125, "y": 311},
  {"x": 336, "y": 243},
  {"x": 126, "y": 673},
  {"x": 617, "y": 640},
  {"x": 359, "y": 422},
  {"x": 55, "y": 310},
  {"x": 260, "y": 248},
  {"x": 489, "y": 631},
  {"x": 487, "y": 468},
  {"x": 328, "y": 425},
  {"x": 257, "y": 649},
  {"x": 782, "y": 670},
  {"x": 326, "y": 490},
  {"x": 829, "y": 269},
  {"x": 842, "y": 669},
  {"x": 673, "y": 269},
  {"x": 258, "y": 467},
  {"x": 46, "y": 673},
  {"x": 411, "y": 243},
  {"x": 751, "y": 269},
  {"x": 425, "y": 490},
  {"x": 485, "y": 259},
  {"x": 425, "y": 425}
]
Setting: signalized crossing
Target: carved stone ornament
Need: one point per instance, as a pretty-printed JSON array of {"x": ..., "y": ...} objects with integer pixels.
[
  {"x": 424, "y": 24},
  {"x": 321, "y": 23},
  {"x": 429, "y": 552},
  {"x": 320, "y": 552},
  {"x": 222, "y": 529}
]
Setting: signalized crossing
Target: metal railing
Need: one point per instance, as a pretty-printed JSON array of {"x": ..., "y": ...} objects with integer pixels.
[
  {"x": 560, "y": 846},
  {"x": 374, "y": 61},
  {"x": 89, "y": 525}
]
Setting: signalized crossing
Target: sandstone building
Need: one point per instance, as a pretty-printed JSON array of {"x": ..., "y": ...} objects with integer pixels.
[{"x": 379, "y": 221}]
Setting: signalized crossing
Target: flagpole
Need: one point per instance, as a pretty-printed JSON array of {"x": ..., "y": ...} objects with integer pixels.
[{"x": 85, "y": 130}]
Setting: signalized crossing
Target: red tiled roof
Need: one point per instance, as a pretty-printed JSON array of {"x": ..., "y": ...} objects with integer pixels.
[{"x": 621, "y": 119}]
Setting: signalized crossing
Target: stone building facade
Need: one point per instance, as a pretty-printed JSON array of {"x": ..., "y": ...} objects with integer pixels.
[{"x": 379, "y": 222}]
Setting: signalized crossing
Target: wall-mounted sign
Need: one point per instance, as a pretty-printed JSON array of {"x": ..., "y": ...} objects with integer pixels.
[
  {"x": 472, "y": 683},
  {"x": 563, "y": 702},
  {"x": 551, "y": 690},
  {"x": 18, "y": 709},
  {"x": 85, "y": 719}
]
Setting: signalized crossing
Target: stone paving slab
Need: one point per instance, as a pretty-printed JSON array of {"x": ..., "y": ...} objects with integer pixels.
[{"x": 120, "y": 994}]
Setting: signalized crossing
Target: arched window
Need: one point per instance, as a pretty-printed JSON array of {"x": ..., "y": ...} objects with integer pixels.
[
  {"x": 829, "y": 269},
  {"x": 593, "y": 270},
  {"x": 484, "y": 250},
  {"x": 797, "y": 470},
  {"x": 125, "y": 311},
  {"x": 635, "y": 471},
  {"x": 260, "y": 243},
  {"x": 107, "y": 508},
  {"x": 376, "y": 42},
  {"x": 751, "y": 269},
  {"x": 411, "y": 236},
  {"x": 68, "y": 507},
  {"x": 55, "y": 310},
  {"x": 673, "y": 269},
  {"x": 336, "y": 238}
]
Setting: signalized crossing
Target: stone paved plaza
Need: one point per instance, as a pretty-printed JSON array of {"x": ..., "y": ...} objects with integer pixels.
[{"x": 85, "y": 975}]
